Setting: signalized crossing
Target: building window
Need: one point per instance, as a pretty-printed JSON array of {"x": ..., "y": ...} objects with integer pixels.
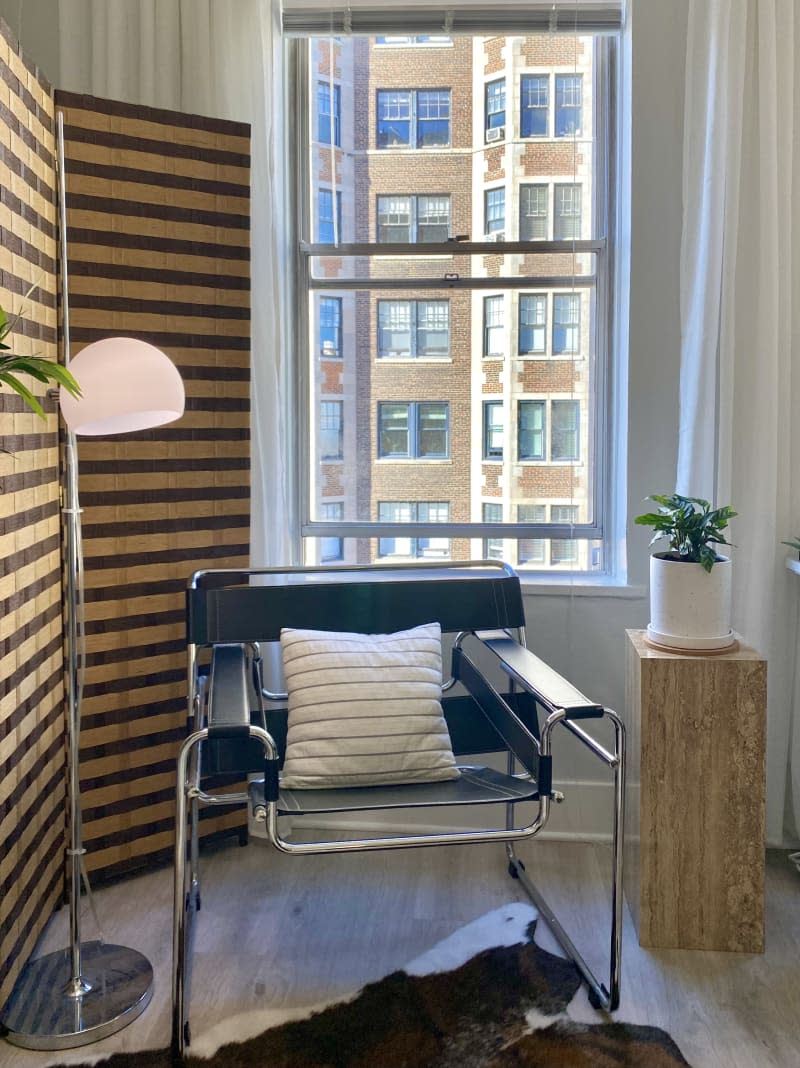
[
  {"x": 331, "y": 548},
  {"x": 331, "y": 438},
  {"x": 533, "y": 213},
  {"x": 329, "y": 232},
  {"x": 413, "y": 118},
  {"x": 566, "y": 324},
  {"x": 567, "y": 212},
  {"x": 493, "y": 430},
  {"x": 532, "y": 550},
  {"x": 414, "y": 512},
  {"x": 530, "y": 429},
  {"x": 326, "y": 113},
  {"x": 412, "y": 219},
  {"x": 330, "y": 327},
  {"x": 563, "y": 550},
  {"x": 495, "y": 105},
  {"x": 413, "y": 429},
  {"x": 534, "y": 104},
  {"x": 532, "y": 324},
  {"x": 493, "y": 547},
  {"x": 569, "y": 96},
  {"x": 565, "y": 430},
  {"x": 413, "y": 328},
  {"x": 494, "y": 326},
  {"x": 419, "y": 39},
  {"x": 495, "y": 210}
]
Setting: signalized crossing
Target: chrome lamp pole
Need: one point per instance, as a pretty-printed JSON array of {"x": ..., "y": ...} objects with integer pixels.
[{"x": 92, "y": 989}]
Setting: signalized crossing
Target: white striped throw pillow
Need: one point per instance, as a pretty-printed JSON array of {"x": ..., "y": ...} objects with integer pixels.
[{"x": 365, "y": 709}]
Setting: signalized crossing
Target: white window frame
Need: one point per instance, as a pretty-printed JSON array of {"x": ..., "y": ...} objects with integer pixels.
[{"x": 602, "y": 247}]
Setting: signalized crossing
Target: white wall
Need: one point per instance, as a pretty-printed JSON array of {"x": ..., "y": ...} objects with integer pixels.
[{"x": 35, "y": 25}]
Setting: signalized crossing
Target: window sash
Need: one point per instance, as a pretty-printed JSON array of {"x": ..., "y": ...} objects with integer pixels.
[
  {"x": 493, "y": 430},
  {"x": 565, "y": 430},
  {"x": 534, "y": 105},
  {"x": 330, "y": 327},
  {"x": 495, "y": 104},
  {"x": 533, "y": 212},
  {"x": 331, "y": 438},
  {"x": 495, "y": 209},
  {"x": 566, "y": 324},
  {"x": 325, "y": 113},
  {"x": 532, "y": 332},
  {"x": 531, "y": 429}
]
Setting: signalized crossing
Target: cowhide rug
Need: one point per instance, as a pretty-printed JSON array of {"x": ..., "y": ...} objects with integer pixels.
[{"x": 486, "y": 997}]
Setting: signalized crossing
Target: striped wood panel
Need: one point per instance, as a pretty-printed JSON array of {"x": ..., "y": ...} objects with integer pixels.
[
  {"x": 158, "y": 211},
  {"x": 31, "y": 647}
]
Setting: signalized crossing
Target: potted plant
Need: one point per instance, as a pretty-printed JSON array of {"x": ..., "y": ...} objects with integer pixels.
[
  {"x": 35, "y": 366},
  {"x": 690, "y": 583}
]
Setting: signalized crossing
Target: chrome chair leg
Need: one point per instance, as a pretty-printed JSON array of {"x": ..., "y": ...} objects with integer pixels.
[{"x": 600, "y": 996}]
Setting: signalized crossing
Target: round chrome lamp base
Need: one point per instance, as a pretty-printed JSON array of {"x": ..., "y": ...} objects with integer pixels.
[{"x": 43, "y": 1013}]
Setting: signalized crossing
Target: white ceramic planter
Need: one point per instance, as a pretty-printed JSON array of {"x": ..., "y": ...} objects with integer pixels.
[{"x": 690, "y": 608}]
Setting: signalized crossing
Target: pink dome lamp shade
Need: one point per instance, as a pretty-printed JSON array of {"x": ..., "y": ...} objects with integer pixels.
[{"x": 126, "y": 385}]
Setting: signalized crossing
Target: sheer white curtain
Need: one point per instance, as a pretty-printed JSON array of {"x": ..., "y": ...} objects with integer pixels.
[
  {"x": 739, "y": 439},
  {"x": 219, "y": 58}
]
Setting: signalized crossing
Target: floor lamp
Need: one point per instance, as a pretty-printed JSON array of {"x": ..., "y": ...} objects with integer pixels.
[{"x": 92, "y": 989}]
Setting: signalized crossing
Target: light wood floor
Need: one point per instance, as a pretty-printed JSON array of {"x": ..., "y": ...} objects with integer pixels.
[{"x": 278, "y": 930}]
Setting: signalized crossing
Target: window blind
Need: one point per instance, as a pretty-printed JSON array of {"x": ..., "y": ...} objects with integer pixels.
[{"x": 316, "y": 18}]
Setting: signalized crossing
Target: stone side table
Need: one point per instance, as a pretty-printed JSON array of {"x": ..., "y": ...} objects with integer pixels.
[{"x": 694, "y": 840}]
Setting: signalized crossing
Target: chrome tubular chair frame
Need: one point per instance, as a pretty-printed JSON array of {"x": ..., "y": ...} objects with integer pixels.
[{"x": 485, "y": 596}]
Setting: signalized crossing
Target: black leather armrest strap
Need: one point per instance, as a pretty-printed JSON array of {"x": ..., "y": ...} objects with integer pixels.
[
  {"x": 228, "y": 702},
  {"x": 552, "y": 690}
]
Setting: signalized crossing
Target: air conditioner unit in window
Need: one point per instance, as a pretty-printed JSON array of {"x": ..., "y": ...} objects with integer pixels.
[
  {"x": 328, "y": 348},
  {"x": 498, "y": 235},
  {"x": 497, "y": 133}
]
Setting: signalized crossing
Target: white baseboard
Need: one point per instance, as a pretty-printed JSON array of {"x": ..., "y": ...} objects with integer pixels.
[{"x": 584, "y": 816}]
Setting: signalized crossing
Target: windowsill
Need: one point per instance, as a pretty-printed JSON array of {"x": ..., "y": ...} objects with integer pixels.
[
  {"x": 414, "y": 460},
  {"x": 579, "y": 585},
  {"x": 414, "y": 359}
]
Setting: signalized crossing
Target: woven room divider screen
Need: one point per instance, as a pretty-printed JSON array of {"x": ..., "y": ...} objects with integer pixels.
[
  {"x": 158, "y": 212},
  {"x": 32, "y": 742},
  {"x": 158, "y": 239}
]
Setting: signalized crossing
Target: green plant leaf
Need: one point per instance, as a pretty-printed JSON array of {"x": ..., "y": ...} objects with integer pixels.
[{"x": 32, "y": 402}]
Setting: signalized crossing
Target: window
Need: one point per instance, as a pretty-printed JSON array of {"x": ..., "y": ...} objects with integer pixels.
[
  {"x": 566, "y": 323},
  {"x": 565, "y": 430},
  {"x": 330, "y": 430},
  {"x": 330, "y": 326},
  {"x": 563, "y": 550},
  {"x": 428, "y": 39},
  {"x": 531, "y": 550},
  {"x": 495, "y": 210},
  {"x": 530, "y": 430},
  {"x": 534, "y": 104},
  {"x": 493, "y": 547},
  {"x": 327, "y": 234},
  {"x": 413, "y": 118},
  {"x": 413, "y": 429},
  {"x": 532, "y": 324},
  {"x": 413, "y": 328},
  {"x": 493, "y": 430},
  {"x": 331, "y": 548},
  {"x": 569, "y": 95},
  {"x": 496, "y": 104},
  {"x": 452, "y": 349},
  {"x": 412, "y": 219},
  {"x": 494, "y": 326},
  {"x": 533, "y": 213},
  {"x": 414, "y": 512},
  {"x": 567, "y": 213},
  {"x": 326, "y": 113}
]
